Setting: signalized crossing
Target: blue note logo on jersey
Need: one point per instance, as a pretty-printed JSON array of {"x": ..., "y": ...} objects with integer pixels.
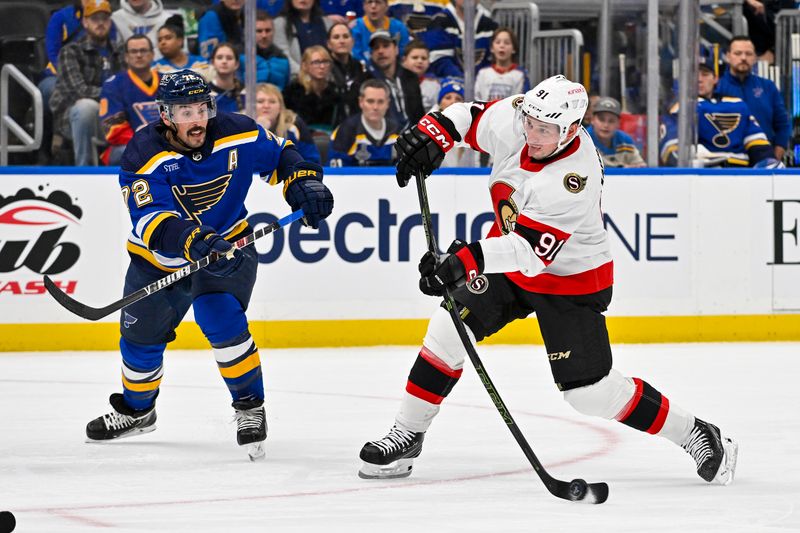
[
  {"x": 197, "y": 199},
  {"x": 724, "y": 123}
]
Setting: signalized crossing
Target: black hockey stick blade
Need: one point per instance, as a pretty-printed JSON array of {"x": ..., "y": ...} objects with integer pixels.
[
  {"x": 96, "y": 313},
  {"x": 576, "y": 490}
]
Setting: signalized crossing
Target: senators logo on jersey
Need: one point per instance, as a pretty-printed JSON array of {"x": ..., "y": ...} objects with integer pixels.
[{"x": 505, "y": 209}]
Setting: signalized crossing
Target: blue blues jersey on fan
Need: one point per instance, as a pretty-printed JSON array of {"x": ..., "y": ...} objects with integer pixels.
[
  {"x": 353, "y": 145},
  {"x": 724, "y": 125},
  {"x": 127, "y": 103},
  {"x": 207, "y": 186}
]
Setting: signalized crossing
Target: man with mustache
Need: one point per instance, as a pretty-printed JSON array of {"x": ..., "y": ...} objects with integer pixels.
[
  {"x": 761, "y": 95},
  {"x": 184, "y": 180}
]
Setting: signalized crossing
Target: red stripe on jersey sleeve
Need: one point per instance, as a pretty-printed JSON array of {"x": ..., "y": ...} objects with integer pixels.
[
  {"x": 542, "y": 228},
  {"x": 471, "y": 137}
]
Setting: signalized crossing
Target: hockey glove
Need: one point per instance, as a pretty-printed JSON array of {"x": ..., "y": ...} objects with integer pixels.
[
  {"x": 421, "y": 147},
  {"x": 464, "y": 262},
  {"x": 304, "y": 190},
  {"x": 200, "y": 241}
]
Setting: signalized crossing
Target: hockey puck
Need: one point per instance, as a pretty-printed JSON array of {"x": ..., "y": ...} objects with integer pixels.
[
  {"x": 578, "y": 489},
  {"x": 7, "y": 522}
]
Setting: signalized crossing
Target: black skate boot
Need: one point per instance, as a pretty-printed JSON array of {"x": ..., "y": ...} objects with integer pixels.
[
  {"x": 123, "y": 421},
  {"x": 714, "y": 454},
  {"x": 392, "y": 456},
  {"x": 251, "y": 427}
]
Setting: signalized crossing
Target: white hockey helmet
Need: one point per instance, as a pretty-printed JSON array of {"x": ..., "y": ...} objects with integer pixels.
[{"x": 555, "y": 100}]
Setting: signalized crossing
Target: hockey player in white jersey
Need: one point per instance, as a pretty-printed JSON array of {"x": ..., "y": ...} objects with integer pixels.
[{"x": 547, "y": 254}]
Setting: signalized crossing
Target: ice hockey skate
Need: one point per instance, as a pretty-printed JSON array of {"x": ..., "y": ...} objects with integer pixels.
[
  {"x": 121, "y": 422},
  {"x": 392, "y": 456},
  {"x": 714, "y": 454},
  {"x": 251, "y": 427}
]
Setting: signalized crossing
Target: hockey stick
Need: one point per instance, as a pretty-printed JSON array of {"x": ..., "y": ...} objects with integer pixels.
[
  {"x": 96, "y": 313},
  {"x": 577, "y": 490}
]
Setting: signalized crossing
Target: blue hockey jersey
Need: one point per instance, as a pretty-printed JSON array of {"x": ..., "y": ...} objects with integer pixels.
[
  {"x": 724, "y": 125},
  {"x": 206, "y": 186},
  {"x": 127, "y": 104},
  {"x": 352, "y": 145}
]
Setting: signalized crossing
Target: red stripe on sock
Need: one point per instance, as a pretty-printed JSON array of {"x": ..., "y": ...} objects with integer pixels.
[
  {"x": 422, "y": 394},
  {"x": 438, "y": 364},
  {"x": 633, "y": 402},
  {"x": 661, "y": 417}
]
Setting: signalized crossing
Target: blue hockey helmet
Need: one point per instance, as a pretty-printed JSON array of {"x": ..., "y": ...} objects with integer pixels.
[{"x": 181, "y": 88}]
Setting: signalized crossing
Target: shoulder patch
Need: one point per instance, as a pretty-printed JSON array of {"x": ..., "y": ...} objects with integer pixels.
[{"x": 575, "y": 183}]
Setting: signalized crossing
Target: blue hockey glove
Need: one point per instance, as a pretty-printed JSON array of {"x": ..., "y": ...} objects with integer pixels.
[
  {"x": 463, "y": 258},
  {"x": 304, "y": 190},
  {"x": 202, "y": 240}
]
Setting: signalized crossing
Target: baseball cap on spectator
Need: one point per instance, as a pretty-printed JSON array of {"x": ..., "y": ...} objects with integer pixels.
[
  {"x": 90, "y": 7},
  {"x": 382, "y": 35},
  {"x": 606, "y": 104},
  {"x": 451, "y": 85}
]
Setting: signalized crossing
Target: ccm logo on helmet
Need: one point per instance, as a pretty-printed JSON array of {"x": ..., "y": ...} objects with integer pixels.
[{"x": 434, "y": 131}]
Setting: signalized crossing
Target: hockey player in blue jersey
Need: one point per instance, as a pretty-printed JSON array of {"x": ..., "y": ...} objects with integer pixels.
[
  {"x": 184, "y": 180},
  {"x": 727, "y": 133}
]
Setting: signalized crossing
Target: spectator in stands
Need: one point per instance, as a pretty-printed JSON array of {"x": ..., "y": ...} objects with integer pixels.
[
  {"x": 83, "y": 66},
  {"x": 65, "y": 26},
  {"x": 504, "y": 76},
  {"x": 272, "y": 115},
  {"x": 272, "y": 7},
  {"x": 760, "y": 15},
  {"x": 347, "y": 72},
  {"x": 761, "y": 95},
  {"x": 226, "y": 87},
  {"x": 727, "y": 134},
  {"x": 452, "y": 92},
  {"x": 616, "y": 146},
  {"x": 366, "y": 138},
  {"x": 302, "y": 25},
  {"x": 415, "y": 59},
  {"x": 128, "y": 98},
  {"x": 274, "y": 68},
  {"x": 223, "y": 23},
  {"x": 171, "y": 44},
  {"x": 313, "y": 95},
  {"x": 405, "y": 105},
  {"x": 140, "y": 17},
  {"x": 416, "y": 14},
  {"x": 375, "y": 19},
  {"x": 445, "y": 40}
]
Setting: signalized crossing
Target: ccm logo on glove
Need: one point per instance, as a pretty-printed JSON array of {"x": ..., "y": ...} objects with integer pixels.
[{"x": 435, "y": 131}]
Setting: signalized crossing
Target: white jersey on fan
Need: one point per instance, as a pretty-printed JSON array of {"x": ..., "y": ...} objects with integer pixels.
[
  {"x": 494, "y": 83},
  {"x": 548, "y": 235}
]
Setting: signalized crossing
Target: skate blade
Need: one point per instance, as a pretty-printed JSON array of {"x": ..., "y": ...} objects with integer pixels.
[
  {"x": 398, "y": 469},
  {"x": 727, "y": 469},
  {"x": 255, "y": 450},
  {"x": 135, "y": 432}
]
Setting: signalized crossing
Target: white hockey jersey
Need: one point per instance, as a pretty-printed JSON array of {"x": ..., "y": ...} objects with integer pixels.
[{"x": 548, "y": 235}]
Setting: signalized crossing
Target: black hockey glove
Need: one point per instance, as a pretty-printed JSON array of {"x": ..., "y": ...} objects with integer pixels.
[
  {"x": 421, "y": 147},
  {"x": 202, "y": 240},
  {"x": 463, "y": 258},
  {"x": 304, "y": 189}
]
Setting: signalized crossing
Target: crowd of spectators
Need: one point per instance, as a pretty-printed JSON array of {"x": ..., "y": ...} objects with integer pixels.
[{"x": 340, "y": 78}]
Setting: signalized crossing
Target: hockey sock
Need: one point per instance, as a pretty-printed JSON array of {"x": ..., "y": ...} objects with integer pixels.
[
  {"x": 649, "y": 410},
  {"x": 222, "y": 319},
  {"x": 429, "y": 382},
  {"x": 142, "y": 371}
]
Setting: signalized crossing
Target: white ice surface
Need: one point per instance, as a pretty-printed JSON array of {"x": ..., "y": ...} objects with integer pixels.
[{"x": 322, "y": 405}]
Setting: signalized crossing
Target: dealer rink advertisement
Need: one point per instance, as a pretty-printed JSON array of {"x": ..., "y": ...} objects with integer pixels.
[{"x": 694, "y": 251}]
